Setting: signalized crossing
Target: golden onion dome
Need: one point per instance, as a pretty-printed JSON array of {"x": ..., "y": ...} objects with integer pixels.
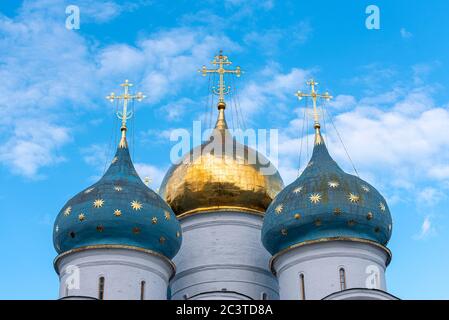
[{"x": 210, "y": 178}]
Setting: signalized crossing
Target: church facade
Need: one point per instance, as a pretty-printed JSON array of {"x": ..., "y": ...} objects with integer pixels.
[{"x": 219, "y": 228}]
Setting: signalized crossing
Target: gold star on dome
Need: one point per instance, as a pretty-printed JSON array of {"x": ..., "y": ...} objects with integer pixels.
[
  {"x": 318, "y": 222},
  {"x": 365, "y": 188},
  {"x": 98, "y": 203},
  {"x": 178, "y": 234},
  {"x": 369, "y": 215},
  {"x": 310, "y": 164},
  {"x": 67, "y": 211},
  {"x": 389, "y": 227},
  {"x": 167, "y": 215},
  {"x": 117, "y": 212},
  {"x": 284, "y": 232},
  {"x": 162, "y": 240},
  {"x": 136, "y": 230},
  {"x": 297, "y": 216},
  {"x": 353, "y": 198},
  {"x": 81, "y": 217},
  {"x": 297, "y": 190},
  {"x": 57, "y": 228},
  {"x": 89, "y": 190},
  {"x": 333, "y": 184},
  {"x": 114, "y": 160},
  {"x": 351, "y": 223},
  {"x": 337, "y": 211},
  {"x": 100, "y": 228},
  {"x": 382, "y": 206},
  {"x": 154, "y": 220},
  {"x": 315, "y": 198},
  {"x": 118, "y": 188},
  {"x": 136, "y": 205},
  {"x": 279, "y": 208}
]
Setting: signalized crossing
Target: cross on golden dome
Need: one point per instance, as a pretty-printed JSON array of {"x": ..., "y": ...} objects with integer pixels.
[
  {"x": 314, "y": 95},
  {"x": 221, "y": 61},
  {"x": 125, "y": 115}
]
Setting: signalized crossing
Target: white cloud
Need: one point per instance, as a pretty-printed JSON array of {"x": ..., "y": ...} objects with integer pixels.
[
  {"x": 46, "y": 68},
  {"x": 251, "y": 4},
  {"x": 100, "y": 11},
  {"x": 57, "y": 72},
  {"x": 430, "y": 196},
  {"x": 405, "y": 34},
  {"x": 120, "y": 58},
  {"x": 96, "y": 155},
  {"x": 174, "y": 111},
  {"x": 271, "y": 90},
  {"x": 163, "y": 63},
  {"x": 439, "y": 171},
  {"x": 397, "y": 140},
  {"x": 268, "y": 40},
  {"x": 33, "y": 145},
  {"x": 421, "y": 71},
  {"x": 97, "y": 11},
  {"x": 427, "y": 229},
  {"x": 342, "y": 101},
  {"x": 372, "y": 76},
  {"x": 155, "y": 174}
]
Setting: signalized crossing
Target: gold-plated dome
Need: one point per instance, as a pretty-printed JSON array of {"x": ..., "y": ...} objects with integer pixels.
[{"x": 209, "y": 179}]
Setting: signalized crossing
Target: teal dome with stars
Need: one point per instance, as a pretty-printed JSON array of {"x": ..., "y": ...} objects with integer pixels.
[
  {"x": 118, "y": 210},
  {"x": 325, "y": 203}
]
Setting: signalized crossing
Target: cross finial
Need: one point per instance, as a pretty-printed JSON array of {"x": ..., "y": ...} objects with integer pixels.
[
  {"x": 147, "y": 181},
  {"x": 221, "y": 61},
  {"x": 314, "y": 95},
  {"x": 125, "y": 114}
]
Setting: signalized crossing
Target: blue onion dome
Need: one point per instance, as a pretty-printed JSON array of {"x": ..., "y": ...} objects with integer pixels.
[
  {"x": 325, "y": 203},
  {"x": 118, "y": 210}
]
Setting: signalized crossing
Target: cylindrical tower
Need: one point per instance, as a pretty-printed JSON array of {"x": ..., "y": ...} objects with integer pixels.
[
  {"x": 220, "y": 199},
  {"x": 316, "y": 269},
  {"x": 219, "y": 192},
  {"x": 116, "y": 239},
  {"x": 327, "y": 232}
]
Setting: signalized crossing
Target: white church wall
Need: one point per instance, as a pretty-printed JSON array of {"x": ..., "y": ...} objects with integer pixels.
[
  {"x": 364, "y": 266},
  {"x": 222, "y": 257},
  {"x": 123, "y": 271}
]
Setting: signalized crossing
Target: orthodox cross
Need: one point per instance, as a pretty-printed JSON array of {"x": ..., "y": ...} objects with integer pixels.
[
  {"x": 221, "y": 61},
  {"x": 314, "y": 95},
  {"x": 125, "y": 115}
]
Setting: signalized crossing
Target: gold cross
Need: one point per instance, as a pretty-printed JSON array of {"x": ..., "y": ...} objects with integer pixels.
[
  {"x": 314, "y": 95},
  {"x": 125, "y": 114},
  {"x": 220, "y": 60}
]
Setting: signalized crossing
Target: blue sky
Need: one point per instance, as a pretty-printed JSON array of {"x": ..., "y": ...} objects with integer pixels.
[{"x": 391, "y": 108}]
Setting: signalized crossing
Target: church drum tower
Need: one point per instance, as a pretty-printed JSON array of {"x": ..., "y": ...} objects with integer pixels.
[
  {"x": 328, "y": 230},
  {"x": 116, "y": 238},
  {"x": 220, "y": 198}
]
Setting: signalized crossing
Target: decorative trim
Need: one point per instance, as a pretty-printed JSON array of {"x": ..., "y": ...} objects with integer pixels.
[
  {"x": 233, "y": 219},
  {"x": 323, "y": 240},
  {"x": 222, "y": 293},
  {"x": 220, "y": 208},
  {"x": 114, "y": 246},
  {"x": 223, "y": 266},
  {"x": 363, "y": 290}
]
